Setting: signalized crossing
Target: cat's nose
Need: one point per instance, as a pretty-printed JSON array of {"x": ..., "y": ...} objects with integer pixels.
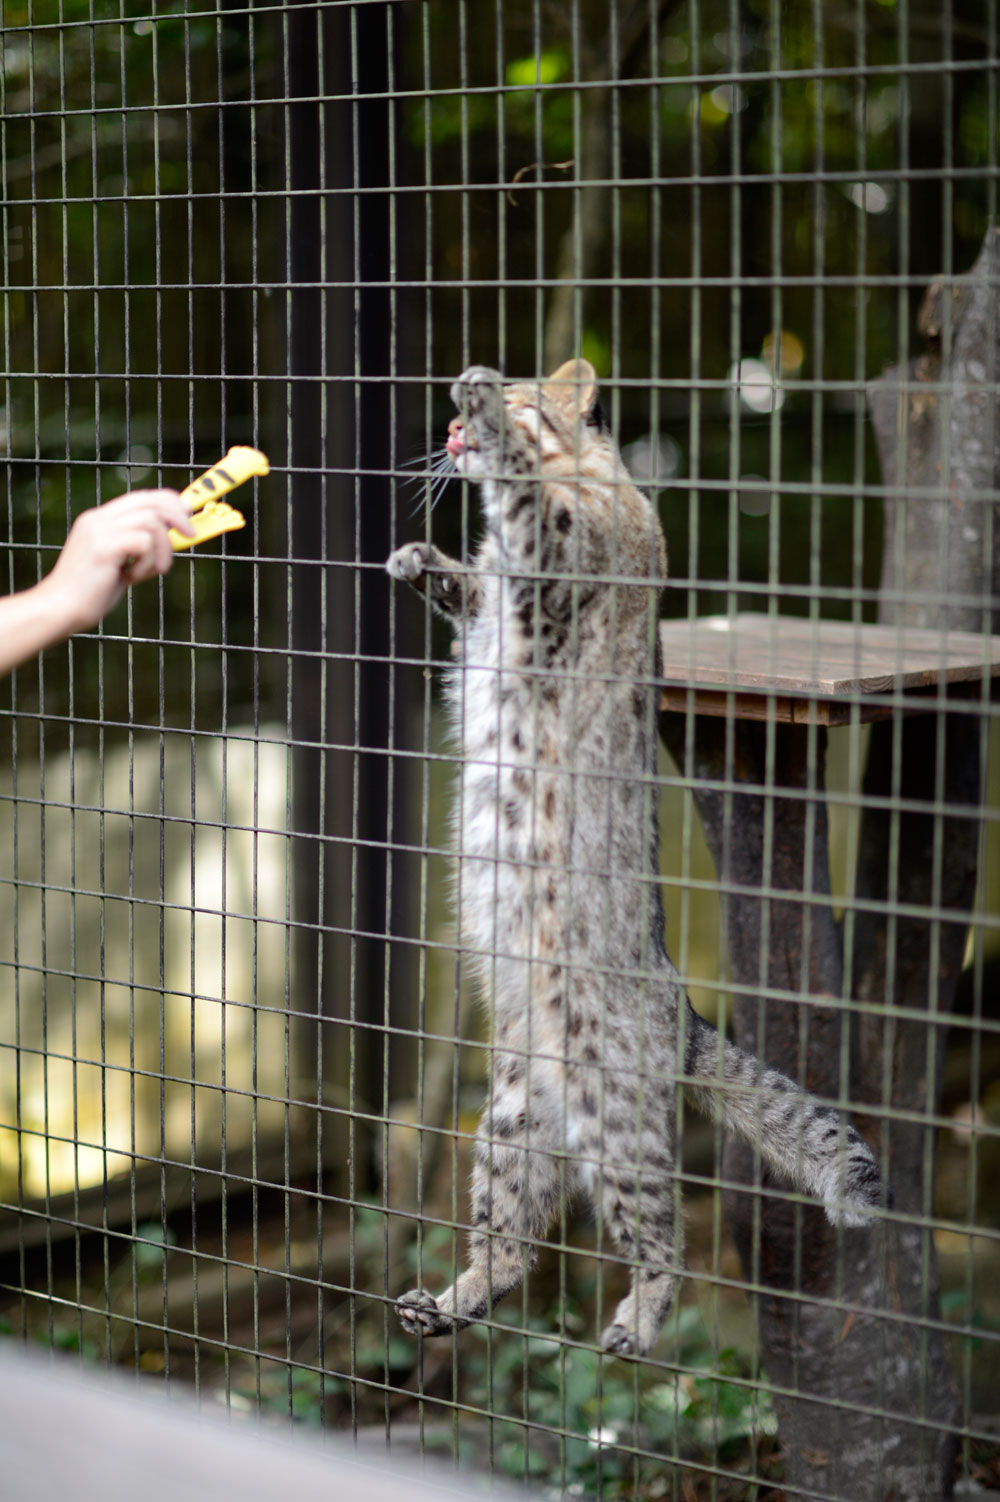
[{"x": 462, "y": 392}]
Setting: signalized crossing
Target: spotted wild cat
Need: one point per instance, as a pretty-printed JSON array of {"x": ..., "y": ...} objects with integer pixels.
[{"x": 552, "y": 696}]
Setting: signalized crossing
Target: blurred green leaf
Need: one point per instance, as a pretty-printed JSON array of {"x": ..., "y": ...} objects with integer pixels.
[{"x": 548, "y": 66}]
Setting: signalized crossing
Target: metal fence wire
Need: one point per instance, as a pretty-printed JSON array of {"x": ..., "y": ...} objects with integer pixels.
[{"x": 242, "y": 1058}]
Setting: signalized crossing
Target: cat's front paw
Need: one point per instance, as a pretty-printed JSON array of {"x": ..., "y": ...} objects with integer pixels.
[
  {"x": 476, "y": 375},
  {"x": 477, "y": 386},
  {"x": 410, "y": 563},
  {"x": 419, "y": 1315}
]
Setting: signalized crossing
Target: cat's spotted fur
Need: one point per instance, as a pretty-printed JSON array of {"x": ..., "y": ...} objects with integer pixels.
[{"x": 552, "y": 695}]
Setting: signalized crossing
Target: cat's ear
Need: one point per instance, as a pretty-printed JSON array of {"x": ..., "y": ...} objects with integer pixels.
[{"x": 574, "y": 386}]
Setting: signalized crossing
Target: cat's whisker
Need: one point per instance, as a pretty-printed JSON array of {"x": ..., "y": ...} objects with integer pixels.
[
  {"x": 420, "y": 455},
  {"x": 446, "y": 475},
  {"x": 434, "y": 473},
  {"x": 424, "y": 461}
]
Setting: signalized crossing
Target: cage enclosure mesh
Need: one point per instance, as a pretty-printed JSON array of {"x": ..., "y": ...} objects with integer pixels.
[{"x": 242, "y": 1058}]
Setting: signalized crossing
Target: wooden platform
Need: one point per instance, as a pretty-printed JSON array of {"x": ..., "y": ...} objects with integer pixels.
[{"x": 798, "y": 671}]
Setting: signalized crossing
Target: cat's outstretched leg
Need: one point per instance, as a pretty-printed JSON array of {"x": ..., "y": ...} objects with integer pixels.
[
  {"x": 452, "y": 589},
  {"x": 639, "y": 1212},
  {"x": 627, "y": 1160},
  {"x": 515, "y": 1194}
]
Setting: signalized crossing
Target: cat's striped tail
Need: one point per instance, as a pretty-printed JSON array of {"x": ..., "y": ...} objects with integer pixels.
[{"x": 807, "y": 1143}]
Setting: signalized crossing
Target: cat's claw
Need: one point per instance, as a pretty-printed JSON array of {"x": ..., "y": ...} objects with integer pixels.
[{"x": 419, "y": 1315}]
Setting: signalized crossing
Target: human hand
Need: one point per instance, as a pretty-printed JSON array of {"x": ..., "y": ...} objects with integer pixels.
[{"x": 108, "y": 549}]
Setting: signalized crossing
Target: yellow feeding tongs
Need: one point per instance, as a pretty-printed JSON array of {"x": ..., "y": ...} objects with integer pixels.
[{"x": 210, "y": 516}]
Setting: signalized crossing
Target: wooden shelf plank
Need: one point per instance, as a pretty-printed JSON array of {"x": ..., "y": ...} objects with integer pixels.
[{"x": 800, "y": 671}]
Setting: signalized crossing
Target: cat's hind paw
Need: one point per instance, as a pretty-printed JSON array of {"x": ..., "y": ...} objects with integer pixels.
[
  {"x": 637, "y": 1320},
  {"x": 419, "y": 1315}
]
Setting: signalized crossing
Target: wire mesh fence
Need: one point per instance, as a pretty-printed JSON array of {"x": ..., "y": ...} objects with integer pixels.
[{"x": 242, "y": 1059}]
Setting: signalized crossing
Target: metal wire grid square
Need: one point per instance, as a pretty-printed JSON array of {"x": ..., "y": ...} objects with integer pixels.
[{"x": 239, "y": 1066}]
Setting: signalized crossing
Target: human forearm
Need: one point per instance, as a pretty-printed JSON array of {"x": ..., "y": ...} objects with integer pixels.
[
  {"x": 30, "y": 621},
  {"x": 108, "y": 549}
]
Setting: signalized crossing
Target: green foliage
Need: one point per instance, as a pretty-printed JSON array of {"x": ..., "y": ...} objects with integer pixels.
[
  {"x": 57, "y": 1337},
  {"x": 546, "y": 66},
  {"x": 528, "y": 110},
  {"x": 296, "y": 1392},
  {"x": 116, "y": 333},
  {"x": 151, "y": 1245},
  {"x": 581, "y": 1420},
  {"x": 571, "y": 1416},
  {"x": 68, "y": 1338},
  {"x": 818, "y": 253},
  {"x": 134, "y": 235},
  {"x": 432, "y": 1254}
]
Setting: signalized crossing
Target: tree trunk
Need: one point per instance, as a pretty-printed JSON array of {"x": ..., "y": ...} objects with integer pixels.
[
  {"x": 582, "y": 248},
  {"x": 864, "y": 1392},
  {"x": 580, "y": 251},
  {"x": 352, "y": 808}
]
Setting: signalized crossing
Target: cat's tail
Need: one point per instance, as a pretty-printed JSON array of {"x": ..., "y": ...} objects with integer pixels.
[{"x": 807, "y": 1143}]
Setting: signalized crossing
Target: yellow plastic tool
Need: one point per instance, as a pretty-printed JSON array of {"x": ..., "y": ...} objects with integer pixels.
[{"x": 210, "y": 516}]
